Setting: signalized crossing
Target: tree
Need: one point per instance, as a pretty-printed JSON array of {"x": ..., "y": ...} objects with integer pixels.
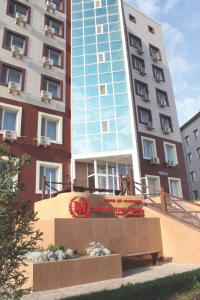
[{"x": 17, "y": 233}]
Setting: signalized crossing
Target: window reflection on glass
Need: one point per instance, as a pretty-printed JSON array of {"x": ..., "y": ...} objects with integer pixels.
[
  {"x": 7, "y": 119},
  {"x": 51, "y": 175},
  {"x": 14, "y": 40},
  {"x": 49, "y": 128},
  {"x": 148, "y": 149}
]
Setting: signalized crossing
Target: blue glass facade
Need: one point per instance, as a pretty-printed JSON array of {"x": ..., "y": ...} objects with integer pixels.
[{"x": 97, "y": 31}]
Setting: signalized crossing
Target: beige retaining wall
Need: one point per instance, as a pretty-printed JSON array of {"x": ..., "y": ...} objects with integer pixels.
[
  {"x": 120, "y": 235},
  {"x": 180, "y": 241},
  {"x": 54, "y": 275}
]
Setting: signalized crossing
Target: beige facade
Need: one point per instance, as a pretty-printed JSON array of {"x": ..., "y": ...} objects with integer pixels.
[{"x": 32, "y": 62}]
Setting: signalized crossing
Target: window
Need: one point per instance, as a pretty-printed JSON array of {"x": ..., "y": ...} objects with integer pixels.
[
  {"x": 187, "y": 140},
  {"x": 196, "y": 134},
  {"x": 55, "y": 54},
  {"x": 170, "y": 153},
  {"x": 144, "y": 115},
  {"x": 50, "y": 126},
  {"x": 153, "y": 183},
  {"x": 149, "y": 148},
  {"x": 138, "y": 63},
  {"x": 12, "y": 38},
  {"x": 52, "y": 173},
  {"x": 15, "y": 7},
  {"x": 141, "y": 89},
  {"x": 198, "y": 152},
  {"x": 193, "y": 176},
  {"x": 151, "y": 29},
  {"x": 99, "y": 29},
  {"x": 155, "y": 53},
  {"x": 132, "y": 19},
  {"x": 102, "y": 89},
  {"x": 10, "y": 118},
  {"x": 9, "y": 73},
  {"x": 189, "y": 157},
  {"x": 53, "y": 86},
  {"x": 57, "y": 25},
  {"x": 135, "y": 42},
  {"x": 105, "y": 126},
  {"x": 162, "y": 98},
  {"x": 102, "y": 174},
  {"x": 158, "y": 74},
  {"x": 195, "y": 195},
  {"x": 101, "y": 57},
  {"x": 165, "y": 122},
  {"x": 97, "y": 3},
  {"x": 59, "y": 4},
  {"x": 175, "y": 187}
]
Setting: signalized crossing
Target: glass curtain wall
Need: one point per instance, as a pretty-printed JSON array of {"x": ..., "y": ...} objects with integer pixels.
[{"x": 96, "y": 33}]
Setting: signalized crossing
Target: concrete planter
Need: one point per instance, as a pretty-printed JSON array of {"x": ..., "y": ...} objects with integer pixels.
[{"x": 59, "y": 274}]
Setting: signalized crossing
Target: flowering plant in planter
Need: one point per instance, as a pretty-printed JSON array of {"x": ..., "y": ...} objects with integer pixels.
[
  {"x": 52, "y": 253},
  {"x": 97, "y": 249}
]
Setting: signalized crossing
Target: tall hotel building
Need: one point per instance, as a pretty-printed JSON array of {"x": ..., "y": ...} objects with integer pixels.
[
  {"x": 35, "y": 88},
  {"x": 123, "y": 109}
]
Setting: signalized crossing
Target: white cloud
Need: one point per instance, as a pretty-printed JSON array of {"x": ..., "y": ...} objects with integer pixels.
[
  {"x": 173, "y": 36},
  {"x": 169, "y": 5},
  {"x": 187, "y": 108},
  {"x": 149, "y": 7}
]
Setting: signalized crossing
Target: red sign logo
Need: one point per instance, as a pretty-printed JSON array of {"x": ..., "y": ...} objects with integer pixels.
[{"x": 80, "y": 207}]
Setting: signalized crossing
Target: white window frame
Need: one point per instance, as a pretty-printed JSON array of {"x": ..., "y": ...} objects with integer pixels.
[
  {"x": 106, "y": 92},
  {"x": 50, "y": 165},
  {"x": 58, "y": 87},
  {"x": 155, "y": 177},
  {"x": 154, "y": 143},
  {"x": 179, "y": 187},
  {"x": 11, "y": 41},
  {"x": 95, "y": 3},
  {"x": 59, "y": 129},
  {"x": 8, "y": 69},
  {"x": 108, "y": 125},
  {"x": 100, "y": 26},
  {"x": 174, "y": 151},
  {"x": 98, "y": 57},
  {"x": 18, "y": 111}
]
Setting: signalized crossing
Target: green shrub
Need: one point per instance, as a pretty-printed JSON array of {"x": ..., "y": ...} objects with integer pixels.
[{"x": 54, "y": 248}]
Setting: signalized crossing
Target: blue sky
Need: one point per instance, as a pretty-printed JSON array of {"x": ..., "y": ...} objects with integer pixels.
[{"x": 181, "y": 27}]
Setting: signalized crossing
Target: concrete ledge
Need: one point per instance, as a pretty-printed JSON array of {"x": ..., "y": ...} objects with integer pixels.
[{"x": 59, "y": 274}]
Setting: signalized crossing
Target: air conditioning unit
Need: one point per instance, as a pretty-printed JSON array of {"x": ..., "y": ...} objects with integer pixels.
[
  {"x": 13, "y": 88},
  {"x": 171, "y": 163},
  {"x": 49, "y": 31},
  {"x": 149, "y": 125},
  {"x": 45, "y": 96},
  {"x": 50, "y": 7},
  {"x": 162, "y": 103},
  {"x": 140, "y": 51},
  {"x": 17, "y": 52},
  {"x": 167, "y": 130},
  {"x": 146, "y": 97},
  {"x": 9, "y": 135},
  {"x": 142, "y": 71},
  {"x": 44, "y": 141},
  {"x": 155, "y": 161},
  {"x": 47, "y": 62},
  {"x": 20, "y": 19}
]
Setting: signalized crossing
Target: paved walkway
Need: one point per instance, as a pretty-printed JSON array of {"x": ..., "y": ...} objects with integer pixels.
[{"x": 131, "y": 276}]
